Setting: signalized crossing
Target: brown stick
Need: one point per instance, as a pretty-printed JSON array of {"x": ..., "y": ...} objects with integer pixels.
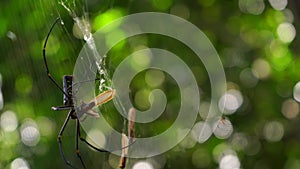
[{"x": 125, "y": 141}]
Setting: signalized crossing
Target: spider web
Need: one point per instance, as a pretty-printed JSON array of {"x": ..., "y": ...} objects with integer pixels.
[{"x": 78, "y": 11}]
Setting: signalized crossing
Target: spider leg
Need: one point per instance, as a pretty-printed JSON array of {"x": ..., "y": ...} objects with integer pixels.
[
  {"x": 58, "y": 108},
  {"x": 85, "y": 141},
  {"x": 59, "y": 140},
  {"x": 77, "y": 147},
  {"x": 45, "y": 60}
]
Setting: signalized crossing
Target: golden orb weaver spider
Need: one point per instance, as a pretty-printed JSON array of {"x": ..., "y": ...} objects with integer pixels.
[{"x": 69, "y": 105}]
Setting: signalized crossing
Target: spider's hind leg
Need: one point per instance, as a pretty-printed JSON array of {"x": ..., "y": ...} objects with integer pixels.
[
  {"x": 86, "y": 142},
  {"x": 59, "y": 139},
  {"x": 77, "y": 147}
]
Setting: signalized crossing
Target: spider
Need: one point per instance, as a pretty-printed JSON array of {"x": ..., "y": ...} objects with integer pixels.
[{"x": 69, "y": 105}]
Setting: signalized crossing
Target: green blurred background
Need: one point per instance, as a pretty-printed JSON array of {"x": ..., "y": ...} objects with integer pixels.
[{"x": 258, "y": 45}]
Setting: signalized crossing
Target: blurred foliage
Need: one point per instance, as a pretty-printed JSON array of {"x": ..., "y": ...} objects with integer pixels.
[{"x": 257, "y": 43}]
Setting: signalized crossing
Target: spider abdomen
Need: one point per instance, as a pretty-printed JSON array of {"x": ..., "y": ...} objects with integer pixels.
[{"x": 67, "y": 87}]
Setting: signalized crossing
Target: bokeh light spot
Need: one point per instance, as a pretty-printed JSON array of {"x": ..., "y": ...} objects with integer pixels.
[
  {"x": 273, "y": 131},
  {"x": 142, "y": 165},
  {"x": 286, "y": 32},
  {"x": 188, "y": 141},
  {"x": 1, "y": 100},
  {"x": 98, "y": 136},
  {"x": 230, "y": 101},
  {"x": 204, "y": 110},
  {"x": 19, "y": 163},
  {"x": 248, "y": 78},
  {"x": 201, "y": 158},
  {"x": 140, "y": 61},
  {"x": 141, "y": 99},
  {"x": 296, "y": 92},
  {"x": 181, "y": 11},
  {"x": 239, "y": 141},
  {"x": 47, "y": 126},
  {"x": 261, "y": 68},
  {"x": 290, "y": 109},
  {"x": 222, "y": 150},
  {"x": 223, "y": 128},
  {"x": 23, "y": 84},
  {"x": 154, "y": 78},
  {"x": 278, "y": 4},
  {"x": 253, "y": 146},
  {"x": 230, "y": 162},
  {"x": 112, "y": 37},
  {"x": 254, "y": 7},
  {"x": 1, "y": 95},
  {"x": 201, "y": 132},
  {"x": 162, "y": 5},
  {"x": 9, "y": 121},
  {"x": 30, "y": 134},
  {"x": 105, "y": 18},
  {"x": 289, "y": 16},
  {"x": 113, "y": 160},
  {"x": 158, "y": 161}
]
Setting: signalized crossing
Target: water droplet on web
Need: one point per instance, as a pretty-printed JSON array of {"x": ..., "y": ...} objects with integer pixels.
[{"x": 101, "y": 71}]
